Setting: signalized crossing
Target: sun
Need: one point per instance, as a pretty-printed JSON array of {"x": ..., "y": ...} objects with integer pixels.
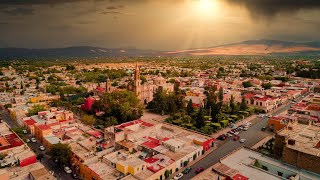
[
  {"x": 206, "y": 8},
  {"x": 206, "y": 5}
]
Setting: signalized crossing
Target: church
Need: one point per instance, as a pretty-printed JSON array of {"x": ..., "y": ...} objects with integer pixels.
[{"x": 145, "y": 91}]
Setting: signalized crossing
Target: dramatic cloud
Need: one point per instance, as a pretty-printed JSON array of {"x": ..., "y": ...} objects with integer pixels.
[
  {"x": 15, "y": 11},
  {"x": 269, "y": 8}
]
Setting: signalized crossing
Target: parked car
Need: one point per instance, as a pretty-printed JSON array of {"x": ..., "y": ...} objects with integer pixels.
[
  {"x": 25, "y": 131},
  {"x": 246, "y": 128},
  {"x": 222, "y": 137},
  {"x": 178, "y": 176},
  {"x": 236, "y": 138},
  {"x": 242, "y": 140},
  {"x": 33, "y": 140},
  {"x": 199, "y": 170},
  {"x": 269, "y": 116},
  {"x": 187, "y": 170},
  {"x": 229, "y": 135},
  {"x": 41, "y": 148},
  {"x": 27, "y": 140},
  {"x": 67, "y": 170},
  {"x": 236, "y": 133},
  {"x": 263, "y": 129}
]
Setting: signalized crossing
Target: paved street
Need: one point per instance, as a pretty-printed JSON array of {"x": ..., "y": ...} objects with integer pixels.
[
  {"x": 49, "y": 164},
  {"x": 253, "y": 136}
]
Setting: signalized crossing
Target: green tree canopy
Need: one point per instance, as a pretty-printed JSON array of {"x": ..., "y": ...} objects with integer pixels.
[
  {"x": 88, "y": 119},
  {"x": 35, "y": 109},
  {"x": 243, "y": 104},
  {"x": 122, "y": 105},
  {"x": 190, "y": 108},
  {"x": 267, "y": 85},
  {"x": 246, "y": 84},
  {"x": 61, "y": 152}
]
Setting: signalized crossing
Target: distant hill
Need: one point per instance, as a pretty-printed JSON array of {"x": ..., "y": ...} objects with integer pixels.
[
  {"x": 77, "y": 51},
  {"x": 252, "y": 47},
  {"x": 255, "y": 47}
]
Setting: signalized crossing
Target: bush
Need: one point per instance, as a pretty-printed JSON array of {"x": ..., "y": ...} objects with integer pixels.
[{"x": 186, "y": 163}]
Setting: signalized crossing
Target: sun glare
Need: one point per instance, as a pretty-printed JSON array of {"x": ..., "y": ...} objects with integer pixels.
[{"x": 206, "y": 8}]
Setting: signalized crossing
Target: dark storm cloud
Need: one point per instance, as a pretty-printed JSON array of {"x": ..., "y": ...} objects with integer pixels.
[
  {"x": 269, "y": 8},
  {"x": 18, "y": 11}
]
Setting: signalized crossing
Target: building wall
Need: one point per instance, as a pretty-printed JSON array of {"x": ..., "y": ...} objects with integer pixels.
[
  {"x": 87, "y": 173},
  {"x": 28, "y": 161},
  {"x": 121, "y": 168},
  {"x": 276, "y": 124},
  {"x": 301, "y": 160},
  {"x": 279, "y": 144},
  {"x": 161, "y": 173}
]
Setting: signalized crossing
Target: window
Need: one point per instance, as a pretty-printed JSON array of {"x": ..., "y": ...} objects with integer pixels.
[{"x": 280, "y": 174}]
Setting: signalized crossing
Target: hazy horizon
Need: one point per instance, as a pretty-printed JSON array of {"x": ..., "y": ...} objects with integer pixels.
[{"x": 155, "y": 24}]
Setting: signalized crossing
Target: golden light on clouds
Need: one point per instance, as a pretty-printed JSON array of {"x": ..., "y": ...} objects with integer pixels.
[{"x": 205, "y": 8}]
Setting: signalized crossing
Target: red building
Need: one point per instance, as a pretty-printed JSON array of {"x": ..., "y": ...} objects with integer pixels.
[{"x": 88, "y": 103}]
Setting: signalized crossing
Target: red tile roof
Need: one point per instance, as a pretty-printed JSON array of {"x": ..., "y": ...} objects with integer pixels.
[
  {"x": 30, "y": 122},
  {"x": 152, "y": 142},
  {"x": 121, "y": 126},
  {"x": 239, "y": 177},
  {"x": 44, "y": 127},
  {"x": 13, "y": 140},
  {"x": 151, "y": 160}
]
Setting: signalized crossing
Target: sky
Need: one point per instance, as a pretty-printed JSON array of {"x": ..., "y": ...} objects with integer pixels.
[{"x": 155, "y": 24}]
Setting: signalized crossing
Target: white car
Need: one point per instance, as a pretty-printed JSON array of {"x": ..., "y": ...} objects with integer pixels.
[
  {"x": 269, "y": 116},
  {"x": 242, "y": 140},
  {"x": 27, "y": 140},
  {"x": 246, "y": 128},
  {"x": 24, "y": 131},
  {"x": 178, "y": 176},
  {"x": 236, "y": 133},
  {"x": 248, "y": 123},
  {"x": 67, "y": 170},
  {"x": 33, "y": 140},
  {"x": 41, "y": 148}
]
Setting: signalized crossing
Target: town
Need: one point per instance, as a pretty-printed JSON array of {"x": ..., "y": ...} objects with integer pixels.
[{"x": 156, "y": 120}]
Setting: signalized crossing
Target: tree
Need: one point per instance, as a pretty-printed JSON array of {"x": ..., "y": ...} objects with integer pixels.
[
  {"x": 267, "y": 85},
  {"x": 200, "y": 122},
  {"x": 190, "y": 108},
  {"x": 167, "y": 173},
  {"x": 111, "y": 121},
  {"x": 246, "y": 84},
  {"x": 220, "y": 95},
  {"x": 8, "y": 106},
  {"x": 215, "y": 110},
  {"x": 61, "y": 152},
  {"x": 143, "y": 79},
  {"x": 243, "y": 104},
  {"x": 232, "y": 105},
  {"x": 88, "y": 119},
  {"x": 35, "y": 109},
  {"x": 122, "y": 105}
]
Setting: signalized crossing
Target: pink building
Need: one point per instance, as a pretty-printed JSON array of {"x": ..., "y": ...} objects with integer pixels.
[{"x": 88, "y": 102}]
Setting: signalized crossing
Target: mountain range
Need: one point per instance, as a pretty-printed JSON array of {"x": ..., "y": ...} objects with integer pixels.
[{"x": 251, "y": 47}]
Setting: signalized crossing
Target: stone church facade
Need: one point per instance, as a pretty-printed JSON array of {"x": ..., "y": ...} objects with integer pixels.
[{"x": 145, "y": 91}]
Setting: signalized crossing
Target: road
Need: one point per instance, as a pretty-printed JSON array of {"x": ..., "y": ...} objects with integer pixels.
[
  {"x": 49, "y": 164},
  {"x": 253, "y": 136}
]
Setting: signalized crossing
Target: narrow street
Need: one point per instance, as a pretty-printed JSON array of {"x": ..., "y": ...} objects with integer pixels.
[{"x": 59, "y": 173}]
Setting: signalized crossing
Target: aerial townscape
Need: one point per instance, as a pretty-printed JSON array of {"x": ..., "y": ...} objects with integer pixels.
[{"x": 175, "y": 106}]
